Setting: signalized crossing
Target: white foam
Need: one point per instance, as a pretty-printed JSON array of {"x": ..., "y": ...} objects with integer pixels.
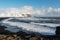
[
  {"x": 47, "y": 24},
  {"x": 28, "y": 26}
]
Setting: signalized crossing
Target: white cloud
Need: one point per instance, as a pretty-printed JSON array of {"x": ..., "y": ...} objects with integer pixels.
[{"x": 16, "y": 12}]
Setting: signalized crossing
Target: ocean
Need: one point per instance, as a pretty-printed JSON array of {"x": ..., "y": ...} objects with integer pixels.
[{"x": 40, "y": 25}]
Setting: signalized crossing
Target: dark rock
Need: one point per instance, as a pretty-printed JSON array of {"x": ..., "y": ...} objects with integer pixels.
[{"x": 58, "y": 31}]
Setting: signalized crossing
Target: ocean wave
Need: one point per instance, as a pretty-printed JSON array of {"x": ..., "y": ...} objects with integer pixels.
[{"x": 29, "y": 24}]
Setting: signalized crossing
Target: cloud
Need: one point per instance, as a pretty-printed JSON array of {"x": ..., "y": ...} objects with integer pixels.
[
  {"x": 17, "y": 12},
  {"x": 53, "y": 12}
]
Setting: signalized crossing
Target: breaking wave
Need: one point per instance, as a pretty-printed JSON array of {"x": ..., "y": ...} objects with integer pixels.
[{"x": 32, "y": 24}]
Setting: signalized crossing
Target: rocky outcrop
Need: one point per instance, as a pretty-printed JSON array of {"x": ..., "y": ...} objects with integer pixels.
[{"x": 58, "y": 31}]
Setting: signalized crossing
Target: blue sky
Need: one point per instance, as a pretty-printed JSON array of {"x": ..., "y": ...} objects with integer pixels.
[{"x": 34, "y": 3}]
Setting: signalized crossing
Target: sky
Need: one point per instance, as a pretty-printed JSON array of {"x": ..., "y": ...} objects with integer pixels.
[
  {"x": 34, "y": 3},
  {"x": 35, "y": 7}
]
